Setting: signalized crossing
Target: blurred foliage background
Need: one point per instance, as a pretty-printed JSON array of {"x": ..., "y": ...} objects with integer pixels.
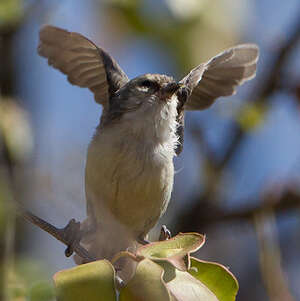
[{"x": 237, "y": 180}]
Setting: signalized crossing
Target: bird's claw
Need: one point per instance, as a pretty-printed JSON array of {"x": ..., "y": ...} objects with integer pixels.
[
  {"x": 165, "y": 233},
  {"x": 72, "y": 235},
  {"x": 143, "y": 241}
]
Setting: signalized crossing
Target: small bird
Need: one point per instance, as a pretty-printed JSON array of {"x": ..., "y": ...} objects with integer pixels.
[{"x": 129, "y": 170}]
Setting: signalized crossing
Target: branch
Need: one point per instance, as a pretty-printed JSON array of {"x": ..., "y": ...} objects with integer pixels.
[
  {"x": 70, "y": 235},
  {"x": 270, "y": 257},
  {"x": 289, "y": 200}
]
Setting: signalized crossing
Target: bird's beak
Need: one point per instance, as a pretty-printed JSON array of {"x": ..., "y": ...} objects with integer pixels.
[{"x": 169, "y": 89}]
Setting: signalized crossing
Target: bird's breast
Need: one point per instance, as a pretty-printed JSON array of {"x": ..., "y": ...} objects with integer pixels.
[{"x": 128, "y": 180}]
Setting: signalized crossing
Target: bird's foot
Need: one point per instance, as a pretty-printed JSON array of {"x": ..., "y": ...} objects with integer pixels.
[
  {"x": 72, "y": 235},
  {"x": 141, "y": 240},
  {"x": 165, "y": 233},
  {"x": 73, "y": 232}
]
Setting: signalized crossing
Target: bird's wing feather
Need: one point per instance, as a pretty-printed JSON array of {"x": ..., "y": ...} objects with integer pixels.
[
  {"x": 189, "y": 83},
  {"x": 85, "y": 64},
  {"x": 220, "y": 76}
]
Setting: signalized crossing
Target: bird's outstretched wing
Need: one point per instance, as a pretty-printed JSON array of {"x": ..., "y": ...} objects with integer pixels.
[
  {"x": 85, "y": 64},
  {"x": 220, "y": 76}
]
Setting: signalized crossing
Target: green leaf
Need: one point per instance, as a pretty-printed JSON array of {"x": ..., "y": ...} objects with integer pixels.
[
  {"x": 146, "y": 285},
  {"x": 89, "y": 282},
  {"x": 42, "y": 291},
  {"x": 183, "y": 286},
  {"x": 216, "y": 277},
  {"x": 175, "y": 250}
]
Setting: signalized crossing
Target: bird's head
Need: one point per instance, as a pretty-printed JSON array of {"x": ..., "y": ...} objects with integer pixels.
[
  {"x": 147, "y": 106},
  {"x": 146, "y": 96}
]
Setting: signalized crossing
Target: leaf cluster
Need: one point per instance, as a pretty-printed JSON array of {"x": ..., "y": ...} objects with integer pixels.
[{"x": 165, "y": 272}]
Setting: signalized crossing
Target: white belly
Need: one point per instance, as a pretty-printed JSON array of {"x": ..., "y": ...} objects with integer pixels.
[{"x": 128, "y": 182}]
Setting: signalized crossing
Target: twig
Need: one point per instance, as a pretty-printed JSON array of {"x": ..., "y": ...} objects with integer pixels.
[
  {"x": 270, "y": 257},
  {"x": 70, "y": 235},
  {"x": 290, "y": 200}
]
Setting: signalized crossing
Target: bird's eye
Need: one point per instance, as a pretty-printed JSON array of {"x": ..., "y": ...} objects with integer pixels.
[{"x": 147, "y": 83}]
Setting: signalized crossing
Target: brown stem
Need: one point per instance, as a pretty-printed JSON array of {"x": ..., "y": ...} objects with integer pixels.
[
  {"x": 270, "y": 257},
  {"x": 289, "y": 200},
  {"x": 69, "y": 235}
]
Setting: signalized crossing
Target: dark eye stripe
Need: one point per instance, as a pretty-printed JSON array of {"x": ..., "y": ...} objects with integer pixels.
[
  {"x": 150, "y": 84},
  {"x": 147, "y": 83}
]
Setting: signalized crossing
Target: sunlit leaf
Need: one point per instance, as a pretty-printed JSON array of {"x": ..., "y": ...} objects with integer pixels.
[
  {"x": 92, "y": 282},
  {"x": 146, "y": 285},
  {"x": 175, "y": 250},
  {"x": 183, "y": 286},
  {"x": 216, "y": 277}
]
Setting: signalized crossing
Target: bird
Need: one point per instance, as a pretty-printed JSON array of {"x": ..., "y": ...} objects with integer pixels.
[{"x": 129, "y": 170}]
